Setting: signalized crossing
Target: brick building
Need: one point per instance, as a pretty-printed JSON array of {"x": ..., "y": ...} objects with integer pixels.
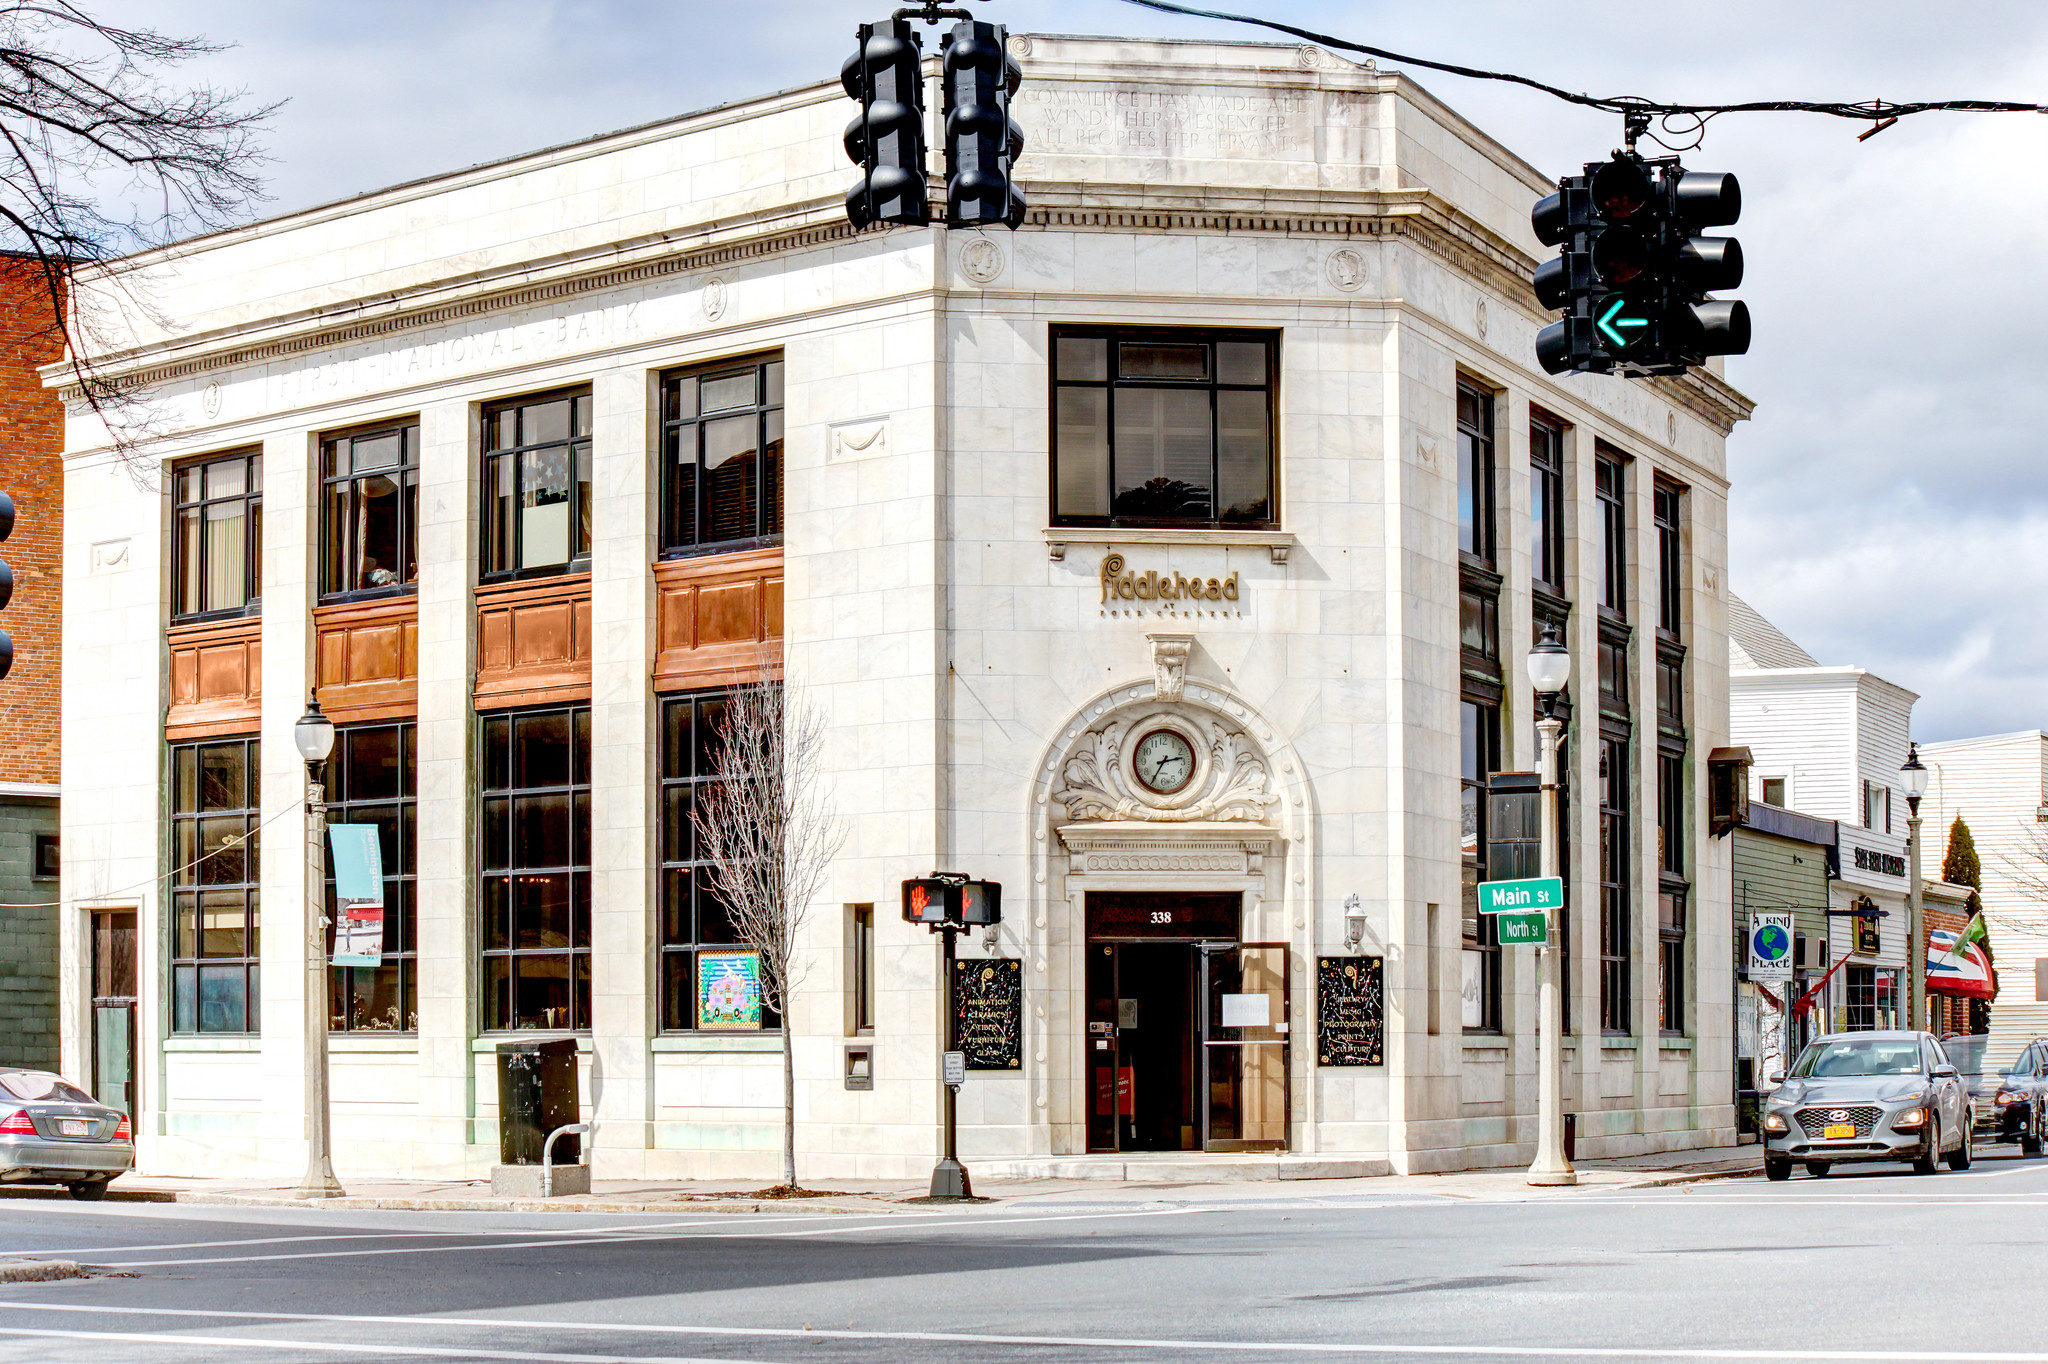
[{"x": 31, "y": 469}]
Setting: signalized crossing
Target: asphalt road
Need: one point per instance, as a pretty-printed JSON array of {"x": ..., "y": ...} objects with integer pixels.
[{"x": 1879, "y": 1265}]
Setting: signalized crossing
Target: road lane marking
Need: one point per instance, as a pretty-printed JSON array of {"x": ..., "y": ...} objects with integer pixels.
[
  {"x": 1855, "y": 1356},
  {"x": 319, "y": 1347},
  {"x": 882, "y": 1226}
]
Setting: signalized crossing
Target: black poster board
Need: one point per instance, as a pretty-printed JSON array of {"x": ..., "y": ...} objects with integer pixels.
[
  {"x": 1350, "y": 1021},
  {"x": 988, "y": 1012}
]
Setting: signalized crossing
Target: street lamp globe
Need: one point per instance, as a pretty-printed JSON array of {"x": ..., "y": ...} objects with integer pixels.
[
  {"x": 314, "y": 733},
  {"x": 1550, "y": 663},
  {"x": 1913, "y": 776},
  {"x": 1354, "y": 922}
]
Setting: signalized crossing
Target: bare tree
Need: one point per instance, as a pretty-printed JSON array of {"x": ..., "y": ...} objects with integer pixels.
[
  {"x": 2026, "y": 869},
  {"x": 768, "y": 832},
  {"x": 101, "y": 155}
]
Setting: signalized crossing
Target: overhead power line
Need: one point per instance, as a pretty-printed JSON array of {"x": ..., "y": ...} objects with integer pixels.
[{"x": 1634, "y": 109}]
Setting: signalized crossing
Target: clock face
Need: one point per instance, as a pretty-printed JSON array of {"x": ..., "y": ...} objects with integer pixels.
[{"x": 1164, "y": 761}]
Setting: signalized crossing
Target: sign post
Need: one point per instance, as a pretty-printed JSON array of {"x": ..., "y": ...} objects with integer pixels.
[{"x": 1770, "y": 962}]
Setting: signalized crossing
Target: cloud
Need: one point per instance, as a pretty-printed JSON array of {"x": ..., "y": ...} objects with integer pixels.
[{"x": 1890, "y": 497}]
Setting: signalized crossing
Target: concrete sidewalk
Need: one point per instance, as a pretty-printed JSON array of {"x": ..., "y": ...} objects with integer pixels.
[{"x": 1195, "y": 1180}]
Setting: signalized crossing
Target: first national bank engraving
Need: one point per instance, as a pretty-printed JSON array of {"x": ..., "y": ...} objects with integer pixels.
[{"x": 1164, "y": 592}]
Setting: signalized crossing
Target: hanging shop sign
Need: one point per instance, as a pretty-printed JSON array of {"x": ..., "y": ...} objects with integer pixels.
[
  {"x": 1350, "y": 1016},
  {"x": 729, "y": 991},
  {"x": 1770, "y": 945},
  {"x": 358, "y": 894},
  {"x": 988, "y": 1012}
]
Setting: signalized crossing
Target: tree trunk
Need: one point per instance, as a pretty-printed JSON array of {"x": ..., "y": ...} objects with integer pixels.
[{"x": 788, "y": 1108}]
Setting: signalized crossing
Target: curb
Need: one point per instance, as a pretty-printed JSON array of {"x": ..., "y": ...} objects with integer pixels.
[
  {"x": 732, "y": 1205},
  {"x": 39, "y": 1271}
]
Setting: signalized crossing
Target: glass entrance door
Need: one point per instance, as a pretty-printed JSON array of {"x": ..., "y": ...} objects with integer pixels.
[
  {"x": 113, "y": 1010},
  {"x": 1244, "y": 1047}
]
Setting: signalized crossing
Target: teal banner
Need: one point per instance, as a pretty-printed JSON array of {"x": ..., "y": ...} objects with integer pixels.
[{"x": 359, "y": 894}]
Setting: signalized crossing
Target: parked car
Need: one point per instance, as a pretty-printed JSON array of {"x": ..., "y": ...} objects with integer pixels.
[
  {"x": 2011, "y": 1089},
  {"x": 1863, "y": 1096},
  {"x": 53, "y": 1132}
]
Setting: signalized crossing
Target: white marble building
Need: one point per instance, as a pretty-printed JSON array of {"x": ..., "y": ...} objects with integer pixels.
[{"x": 1343, "y": 264}]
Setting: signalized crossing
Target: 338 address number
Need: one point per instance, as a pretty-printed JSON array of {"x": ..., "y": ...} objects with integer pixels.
[{"x": 1162, "y": 916}]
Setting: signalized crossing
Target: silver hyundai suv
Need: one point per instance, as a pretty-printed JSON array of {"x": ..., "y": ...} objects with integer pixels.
[{"x": 1868, "y": 1096}]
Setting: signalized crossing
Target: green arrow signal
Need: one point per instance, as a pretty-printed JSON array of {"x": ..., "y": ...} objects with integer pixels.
[{"x": 1610, "y": 322}]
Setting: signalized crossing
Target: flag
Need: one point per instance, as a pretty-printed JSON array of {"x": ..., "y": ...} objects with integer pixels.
[{"x": 1959, "y": 963}]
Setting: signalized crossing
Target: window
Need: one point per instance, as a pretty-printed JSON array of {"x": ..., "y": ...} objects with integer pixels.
[
  {"x": 1609, "y": 480},
  {"x": 1670, "y": 688},
  {"x": 1475, "y": 471},
  {"x": 1614, "y": 887},
  {"x": 46, "y": 865},
  {"x": 536, "y": 503},
  {"x": 1671, "y": 813},
  {"x": 370, "y": 510},
  {"x": 1877, "y": 806},
  {"x": 1774, "y": 791},
  {"x": 1671, "y": 961},
  {"x": 370, "y": 781},
  {"x": 1614, "y": 688},
  {"x": 535, "y": 841},
  {"x": 1873, "y": 999},
  {"x": 1546, "y": 501},
  {"x": 692, "y": 916},
  {"x": 1667, "y": 501},
  {"x": 722, "y": 456},
  {"x": 218, "y": 530},
  {"x": 214, "y": 911},
  {"x": 1480, "y": 741},
  {"x": 1162, "y": 428},
  {"x": 861, "y": 926},
  {"x": 1479, "y": 620}
]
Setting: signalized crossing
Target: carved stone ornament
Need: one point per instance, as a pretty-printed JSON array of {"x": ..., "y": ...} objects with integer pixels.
[
  {"x": 1170, "y": 664},
  {"x": 981, "y": 260},
  {"x": 1230, "y": 782},
  {"x": 714, "y": 299},
  {"x": 1346, "y": 269}
]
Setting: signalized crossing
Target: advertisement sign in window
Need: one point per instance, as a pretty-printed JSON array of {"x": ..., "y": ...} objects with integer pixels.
[{"x": 729, "y": 991}]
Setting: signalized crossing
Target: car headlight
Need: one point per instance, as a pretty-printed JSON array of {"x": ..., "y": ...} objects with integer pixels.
[
  {"x": 2007, "y": 1096},
  {"x": 1912, "y": 1117},
  {"x": 1774, "y": 1122}
]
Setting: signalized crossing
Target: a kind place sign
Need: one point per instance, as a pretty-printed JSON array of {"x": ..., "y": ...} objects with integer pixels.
[{"x": 1522, "y": 909}]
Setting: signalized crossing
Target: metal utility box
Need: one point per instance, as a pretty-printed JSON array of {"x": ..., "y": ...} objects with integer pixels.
[{"x": 536, "y": 1095}]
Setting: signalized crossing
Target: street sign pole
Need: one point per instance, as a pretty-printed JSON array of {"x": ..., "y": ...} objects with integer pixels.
[
  {"x": 1550, "y": 1166},
  {"x": 949, "y": 1176}
]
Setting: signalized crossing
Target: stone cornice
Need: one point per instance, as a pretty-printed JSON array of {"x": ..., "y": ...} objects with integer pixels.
[{"x": 1419, "y": 216}]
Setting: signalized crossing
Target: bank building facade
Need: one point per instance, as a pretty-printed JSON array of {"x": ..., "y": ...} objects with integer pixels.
[{"x": 1171, "y": 561}]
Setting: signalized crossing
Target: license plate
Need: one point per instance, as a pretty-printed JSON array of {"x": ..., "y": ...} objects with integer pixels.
[
  {"x": 75, "y": 1127},
  {"x": 1834, "y": 1131}
]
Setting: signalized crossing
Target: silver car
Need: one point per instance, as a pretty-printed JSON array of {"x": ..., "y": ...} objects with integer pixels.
[
  {"x": 1868, "y": 1096},
  {"x": 52, "y": 1132}
]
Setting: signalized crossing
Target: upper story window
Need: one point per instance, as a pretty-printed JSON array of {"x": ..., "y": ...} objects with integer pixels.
[
  {"x": 1667, "y": 500},
  {"x": 218, "y": 529},
  {"x": 536, "y": 504},
  {"x": 1610, "y": 477},
  {"x": 1162, "y": 428},
  {"x": 1877, "y": 806},
  {"x": 721, "y": 456},
  {"x": 1546, "y": 501},
  {"x": 370, "y": 510},
  {"x": 1475, "y": 471}
]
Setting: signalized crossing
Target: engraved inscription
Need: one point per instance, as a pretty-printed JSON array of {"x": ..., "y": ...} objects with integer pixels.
[{"x": 1269, "y": 125}]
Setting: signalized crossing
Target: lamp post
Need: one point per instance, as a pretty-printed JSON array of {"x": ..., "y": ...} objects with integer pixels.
[
  {"x": 1913, "y": 776},
  {"x": 1550, "y": 667},
  {"x": 314, "y": 737},
  {"x": 1354, "y": 922}
]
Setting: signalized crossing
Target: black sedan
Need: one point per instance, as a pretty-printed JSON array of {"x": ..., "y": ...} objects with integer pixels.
[
  {"x": 52, "y": 1132},
  {"x": 2011, "y": 1088}
]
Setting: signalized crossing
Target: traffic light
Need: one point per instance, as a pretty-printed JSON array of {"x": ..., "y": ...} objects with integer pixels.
[
  {"x": 924, "y": 901},
  {"x": 886, "y": 138},
  {"x": 982, "y": 141},
  {"x": 6, "y": 583},
  {"x": 1632, "y": 279},
  {"x": 952, "y": 900}
]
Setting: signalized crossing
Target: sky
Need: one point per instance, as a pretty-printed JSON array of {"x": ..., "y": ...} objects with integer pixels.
[{"x": 1889, "y": 506}]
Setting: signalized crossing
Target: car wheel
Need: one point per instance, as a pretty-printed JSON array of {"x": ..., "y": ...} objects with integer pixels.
[
  {"x": 89, "y": 1190},
  {"x": 1965, "y": 1152},
  {"x": 1929, "y": 1160},
  {"x": 2030, "y": 1136},
  {"x": 1777, "y": 1168},
  {"x": 1819, "y": 1168}
]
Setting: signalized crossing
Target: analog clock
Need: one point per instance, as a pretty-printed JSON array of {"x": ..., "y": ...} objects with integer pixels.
[{"x": 1164, "y": 761}]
